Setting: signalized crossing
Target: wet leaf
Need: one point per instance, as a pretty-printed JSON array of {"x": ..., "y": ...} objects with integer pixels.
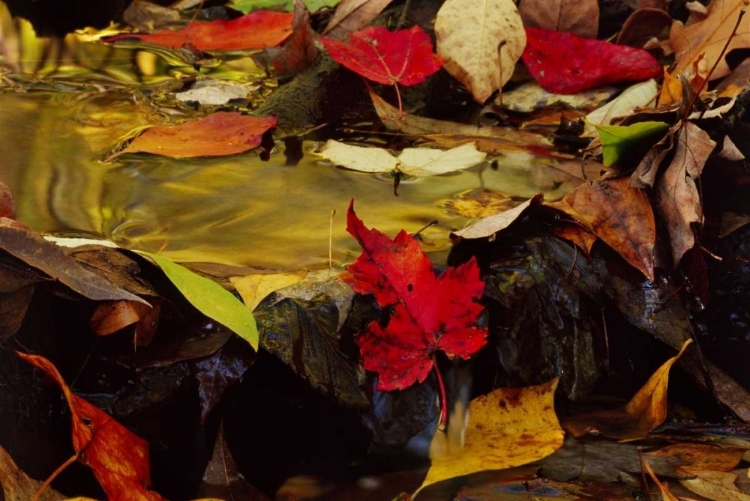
[
  {"x": 221, "y": 133},
  {"x": 118, "y": 458},
  {"x": 7, "y": 205},
  {"x": 575, "y": 16},
  {"x": 15, "y": 485},
  {"x": 304, "y": 334},
  {"x": 352, "y": 16},
  {"x": 479, "y": 203},
  {"x": 428, "y": 313},
  {"x": 677, "y": 198},
  {"x": 564, "y": 63},
  {"x": 113, "y": 265},
  {"x": 621, "y": 216},
  {"x": 706, "y": 39},
  {"x": 699, "y": 456},
  {"x": 218, "y": 372},
  {"x": 576, "y": 234},
  {"x": 47, "y": 257},
  {"x": 388, "y": 57},
  {"x": 480, "y": 41},
  {"x": 498, "y": 222},
  {"x": 222, "y": 479},
  {"x": 508, "y": 427},
  {"x": 13, "y": 307},
  {"x": 411, "y": 161},
  {"x": 618, "y": 140},
  {"x": 645, "y": 411},
  {"x": 215, "y": 92},
  {"x": 210, "y": 298},
  {"x": 252, "y": 31}
]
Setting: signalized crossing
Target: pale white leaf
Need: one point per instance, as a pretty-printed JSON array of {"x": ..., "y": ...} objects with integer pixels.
[{"x": 431, "y": 162}]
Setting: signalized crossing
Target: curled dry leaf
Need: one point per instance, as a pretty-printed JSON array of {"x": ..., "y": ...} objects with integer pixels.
[
  {"x": 253, "y": 31},
  {"x": 353, "y": 15},
  {"x": 706, "y": 39},
  {"x": 621, "y": 216},
  {"x": 218, "y": 134},
  {"x": 580, "y": 17},
  {"x": 112, "y": 316},
  {"x": 480, "y": 41},
  {"x": 677, "y": 198},
  {"x": 565, "y": 63},
  {"x": 118, "y": 457},
  {"x": 388, "y": 57}
]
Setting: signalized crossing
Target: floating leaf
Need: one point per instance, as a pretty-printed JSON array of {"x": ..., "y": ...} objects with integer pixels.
[
  {"x": 411, "y": 161},
  {"x": 210, "y": 298},
  {"x": 481, "y": 41},
  {"x": 617, "y": 140},
  {"x": 497, "y": 222},
  {"x": 387, "y": 57},
  {"x": 252, "y": 31},
  {"x": 564, "y": 63},
  {"x": 218, "y": 134}
]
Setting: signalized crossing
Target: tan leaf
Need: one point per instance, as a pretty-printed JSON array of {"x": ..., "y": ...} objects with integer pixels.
[
  {"x": 491, "y": 225},
  {"x": 254, "y": 288},
  {"x": 677, "y": 197},
  {"x": 707, "y": 38},
  {"x": 353, "y": 15},
  {"x": 480, "y": 41},
  {"x": 15, "y": 485},
  {"x": 580, "y": 17},
  {"x": 621, "y": 216},
  {"x": 508, "y": 427},
  {"x": 714, "y": 485}
]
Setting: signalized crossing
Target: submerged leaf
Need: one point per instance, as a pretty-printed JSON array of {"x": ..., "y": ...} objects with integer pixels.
[{"x": 210, "y": 298}]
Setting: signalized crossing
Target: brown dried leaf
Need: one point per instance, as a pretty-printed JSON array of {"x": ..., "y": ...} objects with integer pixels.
[
  {"x": 112, "y": 316},
  {"x": 13, "y": 307},
  {"x": 580, "y": 17},
  {"x": 621, "y": 216},
  {"x": 644, "y": 25},
  {"x": 645, "y": 174},
  {"x": 677, "y": 197},
  {"x": 7, "y": 205},
  {"x": 353, "y": 15},
  {"x": 481, "y": 41},
  {"x": 576, "y": 234},
  {"x": 700, "y": 456}
]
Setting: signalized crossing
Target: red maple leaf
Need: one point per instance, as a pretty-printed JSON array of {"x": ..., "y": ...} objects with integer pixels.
[
  {"x": 429, "y": 313},
  {"x": 387, "y": 57},
  {"x": 565, "y": 63},
  {"x": 253, "y": 31}
]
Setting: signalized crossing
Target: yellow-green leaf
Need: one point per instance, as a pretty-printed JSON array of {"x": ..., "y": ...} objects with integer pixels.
[
  {"x": 210, "y": 298},
  {"x": 618, "y": 139}
]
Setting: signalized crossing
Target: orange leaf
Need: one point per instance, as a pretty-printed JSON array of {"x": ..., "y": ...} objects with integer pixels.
[
  {"x": 118, "y": 457},
  {"x": 254, "y": 31},
  {"x": 222, "y": 133},
  {"x": 112, "y": 316}
]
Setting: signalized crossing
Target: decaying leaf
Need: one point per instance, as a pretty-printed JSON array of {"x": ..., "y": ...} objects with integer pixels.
[
  {"x": 428, "y": 313},
  {"x": 411, "y": 161},
  {"x": 508, "y": 427},
  {"x": 488, "y": 226},
  {"x": 221, "y": 133},
  {"x": 580, "y": 17},
  {"x": 480, "y": 41},
  {"x": 402, "y": 57},
  {"x": 677, "y": 197},
  {"x": 252, "y": 31},
  {"x": 621, "y": 216},
  {"x": 565, "y": 63},
  {"x": 352, "y": 16},
  {"x": 118, "y": 458},
  {"x": 706, "y": 39},
  {"x": 645, "y": 411},
  {"x": 531, "y": 96},
  {"x": 216, "y": 373},
  {"x": 210, "y": 298},
  {"x": 699, "y": 457}
]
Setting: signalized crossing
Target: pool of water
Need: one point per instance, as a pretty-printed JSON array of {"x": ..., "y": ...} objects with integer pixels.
[{"x": 60, "y": 118}]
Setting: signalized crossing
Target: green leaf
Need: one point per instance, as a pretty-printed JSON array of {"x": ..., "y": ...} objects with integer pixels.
[
  {"x": 618, "y": 139},
  {"x": 246, "y": 6},
  {"x": 210, "y": 298}
]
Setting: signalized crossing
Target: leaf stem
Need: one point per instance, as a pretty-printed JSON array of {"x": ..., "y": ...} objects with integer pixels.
[
  {"x": 72, "y": 459},
  {"x": 443, "y": 398},
  {"x": 400, "y": 105}
]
